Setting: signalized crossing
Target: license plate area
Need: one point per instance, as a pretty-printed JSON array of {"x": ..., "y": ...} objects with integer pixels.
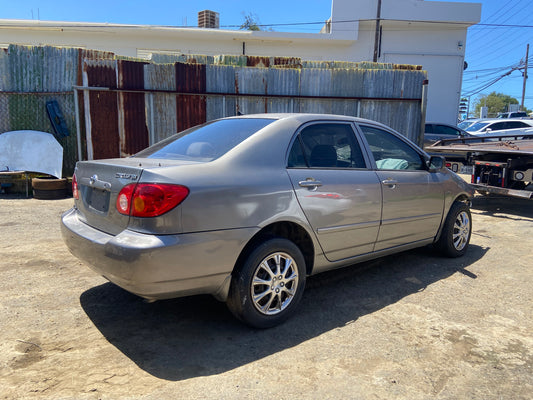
[{"x": 98, "y": 200}]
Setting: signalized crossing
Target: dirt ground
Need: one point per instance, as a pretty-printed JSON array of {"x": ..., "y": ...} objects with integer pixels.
[{"x": 412, "y": 326}]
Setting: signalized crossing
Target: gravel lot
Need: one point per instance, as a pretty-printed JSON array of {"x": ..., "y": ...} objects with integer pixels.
[{"x": 412, "y": 326}]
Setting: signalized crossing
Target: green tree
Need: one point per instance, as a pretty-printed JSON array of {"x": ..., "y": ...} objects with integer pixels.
[
  {"x": 496, "y": 103},
  {"x": 251, "y": 23}
]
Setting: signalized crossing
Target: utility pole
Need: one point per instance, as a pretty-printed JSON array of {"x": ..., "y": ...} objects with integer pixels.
[
  {"x": 525, "y": 78},
  {"x": 376, "y": 38}
]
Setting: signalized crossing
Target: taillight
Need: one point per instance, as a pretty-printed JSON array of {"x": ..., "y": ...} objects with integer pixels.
[
  {"x": 75, "y": 192},
  {"x": 150, "y": 199}
]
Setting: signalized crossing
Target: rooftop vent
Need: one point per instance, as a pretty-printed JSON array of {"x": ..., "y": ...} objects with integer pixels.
[{"x": 208, "y": 19}]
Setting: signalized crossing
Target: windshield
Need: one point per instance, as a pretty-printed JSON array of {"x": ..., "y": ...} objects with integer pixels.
[
  {"x": 465, "y": 124},
  {"x": 476, "y": 127},
  {"x": 206, "y": 142}
]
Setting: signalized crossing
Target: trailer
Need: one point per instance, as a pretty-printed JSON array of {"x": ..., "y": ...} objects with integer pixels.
[{"x": 500, "y": 165}]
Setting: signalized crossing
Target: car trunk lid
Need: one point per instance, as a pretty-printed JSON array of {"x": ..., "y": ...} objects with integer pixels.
[{"x": 99, "y": 183}]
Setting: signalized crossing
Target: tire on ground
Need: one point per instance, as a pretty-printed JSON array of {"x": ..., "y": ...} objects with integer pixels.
[
  {"x": 266, "y": 289},
  {"x": 49, "y": 188},
  {"x": 456, "y": 232}
]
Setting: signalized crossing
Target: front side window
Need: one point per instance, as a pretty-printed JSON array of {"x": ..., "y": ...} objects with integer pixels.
[
  {"x": 326, "y": 145},
  {"x": 498, "y": 126},
  {"x": 390, "y": 152}
]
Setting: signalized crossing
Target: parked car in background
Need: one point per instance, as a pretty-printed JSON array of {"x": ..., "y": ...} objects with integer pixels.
[
  {"x": 500, "y": 127},
  {"x": 437, "y": 131},
  {"x": 514, "y": 114},
  {"x": 245, "y": 208},
  {"x": 467, "y": 122}
]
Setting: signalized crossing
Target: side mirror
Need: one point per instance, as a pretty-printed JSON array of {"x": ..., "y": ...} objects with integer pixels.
[{"x": 436, "y": 163}]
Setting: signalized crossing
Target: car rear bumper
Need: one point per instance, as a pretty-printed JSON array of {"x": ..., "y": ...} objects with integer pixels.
[{"x": 158, "y": 266}]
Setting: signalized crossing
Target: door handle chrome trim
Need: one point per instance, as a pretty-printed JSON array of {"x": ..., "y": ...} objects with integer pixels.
[
  {"x": 390, "y": 183},
  {"x": 310, "y": 183}
]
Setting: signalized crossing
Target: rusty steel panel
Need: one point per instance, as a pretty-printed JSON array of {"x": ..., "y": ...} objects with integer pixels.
[
  {"x": 251, "y": 81},
  {"x": 40, "y": 69},
  {"x": 287, "y": 62},
  {"x": 102, "y": 118},
  {"x": 229, "y": 60},
  {"x": 190, "y": 78},
  {"x": 258, "y": 61},
  {"x": 220, "y": 79},
  {"x": 404, "y": 117},
  {"x": 346, "y": 83},
  {"x": 160, "y": 107},
  {"x": 190, "y": 109},
  {"x": 133, "y": 131},
  {"x": 315, "y": 82}
]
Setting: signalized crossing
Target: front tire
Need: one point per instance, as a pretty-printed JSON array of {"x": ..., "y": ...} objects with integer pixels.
[
  {"x": 269, "y": 284},
  {"x": 456, "y": 232}
]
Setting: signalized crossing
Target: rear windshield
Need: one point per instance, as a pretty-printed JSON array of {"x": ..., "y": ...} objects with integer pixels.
[{"x": 206, "y": 142}]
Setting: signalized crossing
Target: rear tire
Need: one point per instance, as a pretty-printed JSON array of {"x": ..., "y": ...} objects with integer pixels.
[
  {"x": 269, "y": 284},
  {"x": 49, "y": 188},
  {"x": 456, "y": 232}
]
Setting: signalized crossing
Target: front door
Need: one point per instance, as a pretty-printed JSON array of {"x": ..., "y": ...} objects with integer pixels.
[
  {"x": 339, "y": 195},
  {"x": 413, "y": 198}
]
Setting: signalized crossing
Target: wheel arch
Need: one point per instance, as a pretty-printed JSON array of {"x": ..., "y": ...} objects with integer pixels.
[
  {"x": 461, "y": 198},
  {"x": 287, "y": 230}
]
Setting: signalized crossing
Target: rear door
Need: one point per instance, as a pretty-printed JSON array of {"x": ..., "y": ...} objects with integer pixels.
[
  {"x": 413, "y": 198},
  {"x": 339, "y": 195}
]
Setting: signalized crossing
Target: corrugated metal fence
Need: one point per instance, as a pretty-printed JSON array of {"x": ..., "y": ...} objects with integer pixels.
[{"x": 125, "y": 105}]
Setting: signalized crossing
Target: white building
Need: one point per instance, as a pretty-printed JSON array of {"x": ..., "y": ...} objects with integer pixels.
[{"x": 427, "y": 33}]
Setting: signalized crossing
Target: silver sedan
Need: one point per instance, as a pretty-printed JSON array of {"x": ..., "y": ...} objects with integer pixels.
[{"x": 246, "y": 208}]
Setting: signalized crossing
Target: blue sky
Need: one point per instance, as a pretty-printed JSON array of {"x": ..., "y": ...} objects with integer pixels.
[{"x": 491, "y": 51}]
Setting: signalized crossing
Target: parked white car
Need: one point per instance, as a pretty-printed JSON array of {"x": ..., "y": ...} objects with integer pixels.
[{"x": 500, "y": 127}]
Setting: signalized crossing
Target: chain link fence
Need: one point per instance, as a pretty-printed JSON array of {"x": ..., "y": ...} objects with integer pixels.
[{"x": 27, "y": 111}]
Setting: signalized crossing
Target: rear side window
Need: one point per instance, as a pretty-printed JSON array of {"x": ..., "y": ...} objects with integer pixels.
[
  {"x": 498, "y": 126},
  {"x": 446, "y": 130},
  {"x": 326, "y": 145},
  {"x": 516, "y": 125},
  {"x": 206, "y": 142}
]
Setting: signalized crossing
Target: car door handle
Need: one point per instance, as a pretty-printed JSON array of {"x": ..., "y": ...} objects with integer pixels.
[
  {"x": 391, "y": 183},
  {"x": 310, "y": 183}
]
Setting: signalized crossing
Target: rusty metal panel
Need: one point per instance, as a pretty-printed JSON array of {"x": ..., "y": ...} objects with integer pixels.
[
  {"x": 220, "y": 79},
  {"x": 133, "y": 131},
  {"x": 4, "y": 67},
  {"x": 315, "y": 82},
  {"x": 228, "y": 60},
  {"x": 41, "y": 69},
  {"x": 161, "y": 107},
  {"x": 258, "y": 61},
  {"x": 101, "y": 113},
  {"x": 251, "y": 81},
  {"x": 190, "y": 109},
  {"x": 190, "y": 78},
  {"x": 283, "y": 82},
  {"x": 287, "y": 62},
  {"x": 404, "y": 117},
  {"x": 347, "y": 83}
]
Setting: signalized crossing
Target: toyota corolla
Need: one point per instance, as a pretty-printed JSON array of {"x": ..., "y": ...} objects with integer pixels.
[{"x": 245, "y": 208}]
